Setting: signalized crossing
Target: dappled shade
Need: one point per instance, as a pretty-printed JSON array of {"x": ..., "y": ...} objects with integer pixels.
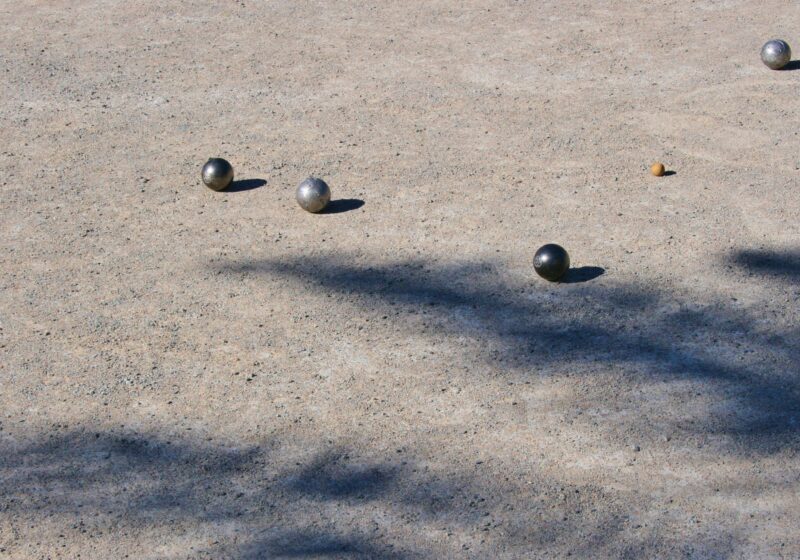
[
  {"x": 750, "y": 370},
  {"x": 779, "y": 264},
  {"x": 330, "y": 502}
]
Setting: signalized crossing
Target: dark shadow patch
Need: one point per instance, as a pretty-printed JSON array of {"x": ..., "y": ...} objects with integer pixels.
[
  {"x": 327, "y": 479},
  {"x": 245, "y": 185},
  {"x": 343, "y": 205},
  {"x": 249, "y": 502},
  {"x": 779, "y": 264},
  {"x": 659, "y": 336},
  {"x": 582, "y": 274},
  {"x": 670, "y": 173},
  {"x": 310, "y": 544},
  {"x": 791, "y": 65}
]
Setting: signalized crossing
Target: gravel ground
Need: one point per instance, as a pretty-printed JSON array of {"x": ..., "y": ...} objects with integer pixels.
[{"x": 189, "y": 374}]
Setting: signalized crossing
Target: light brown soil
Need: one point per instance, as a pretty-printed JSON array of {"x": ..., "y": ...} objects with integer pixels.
[{"x": 191, "y": 374}]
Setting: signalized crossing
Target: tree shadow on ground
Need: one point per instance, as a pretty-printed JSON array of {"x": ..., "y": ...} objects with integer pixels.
[
  {"x": 784, "y": 265},
  {"x": 142, "y": 481},
  {"x": 327, "y": 502},
  {"x": 750, "y": 370}
]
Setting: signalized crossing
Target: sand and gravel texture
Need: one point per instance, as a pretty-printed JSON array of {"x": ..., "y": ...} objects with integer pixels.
[{"x": 187, "y": 374}]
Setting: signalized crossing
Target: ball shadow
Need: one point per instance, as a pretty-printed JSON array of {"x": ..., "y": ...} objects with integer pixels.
[
  {"x": 245, "y": 185},
  {"x": 582, "y": 274},
  {"x": 792, "y": 65},
  {"x": 343, "y": 205},
  {"x": 669, "y": 173}
]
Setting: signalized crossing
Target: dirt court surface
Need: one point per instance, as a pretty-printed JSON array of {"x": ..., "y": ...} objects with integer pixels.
[{"x": 189, "y": 374}]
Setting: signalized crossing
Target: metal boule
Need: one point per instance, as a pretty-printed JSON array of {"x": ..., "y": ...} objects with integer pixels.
[
  {"x": 313, "y": 195},
  {"x": 217, "y": 174}
]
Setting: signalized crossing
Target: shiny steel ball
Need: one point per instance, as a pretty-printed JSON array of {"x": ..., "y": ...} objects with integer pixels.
[
  {"x": 217, "y": 174},
  {"x": 313, "y": 195},
  {"x": 776, "y": 54},
  {"x": 551, "y": 262}
]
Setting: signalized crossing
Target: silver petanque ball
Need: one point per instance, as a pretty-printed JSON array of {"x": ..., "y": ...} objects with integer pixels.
[
  {"x": 776, "y": 54},
  {"x": 217, "y": 174},
  {"x": 313, "y": 195}
]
